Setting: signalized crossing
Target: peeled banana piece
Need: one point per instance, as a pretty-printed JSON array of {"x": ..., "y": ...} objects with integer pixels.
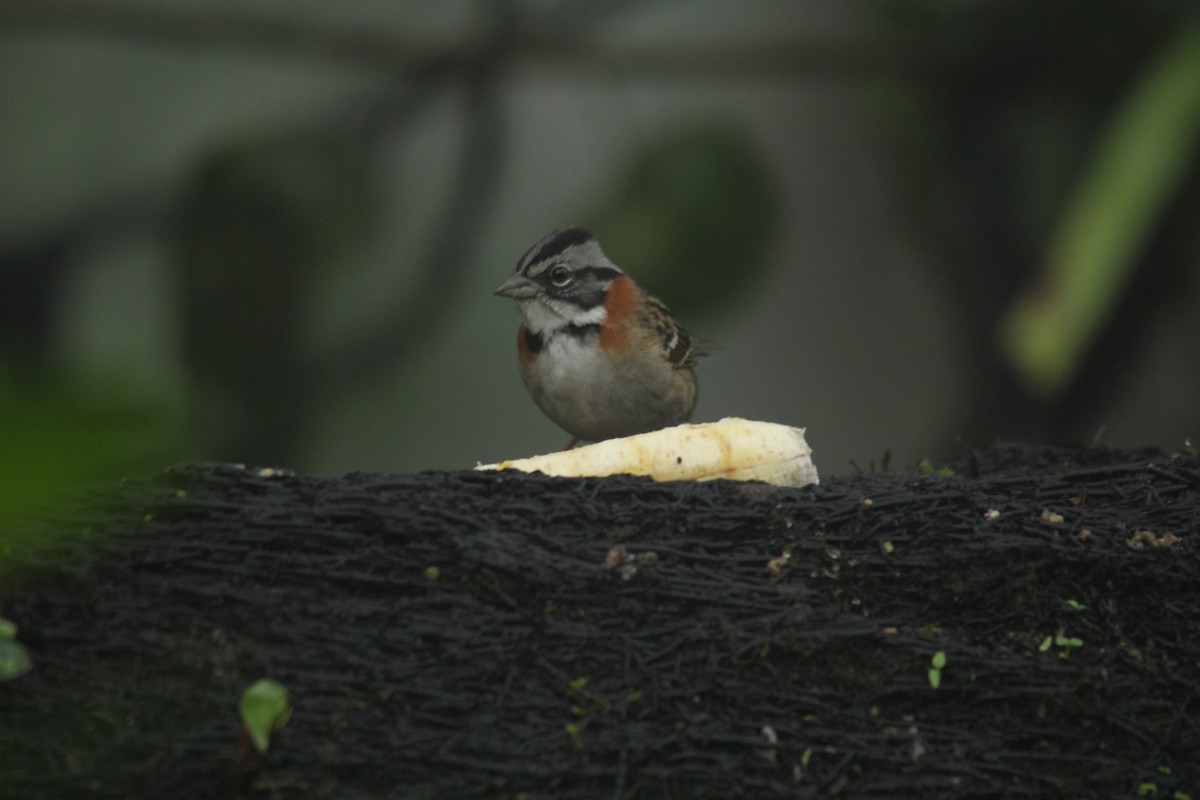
[{"x": 734, "y": 449}]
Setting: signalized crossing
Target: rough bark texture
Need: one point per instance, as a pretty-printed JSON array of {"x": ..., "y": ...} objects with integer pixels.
[{"x": 450, "y": 635}]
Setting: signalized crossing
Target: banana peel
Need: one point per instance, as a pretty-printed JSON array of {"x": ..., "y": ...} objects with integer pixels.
[{"x": 732, "y": 449}]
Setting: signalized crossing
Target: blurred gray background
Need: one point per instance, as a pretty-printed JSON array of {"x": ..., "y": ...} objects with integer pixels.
[{"x": 268, "y": 232}]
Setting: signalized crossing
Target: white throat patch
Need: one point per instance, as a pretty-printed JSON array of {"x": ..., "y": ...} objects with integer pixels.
[{"x": 546, "y": 316}]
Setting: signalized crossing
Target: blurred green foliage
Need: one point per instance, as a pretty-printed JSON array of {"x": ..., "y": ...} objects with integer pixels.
[
  {"x": 694, "y": 217},
  {"x": 1144, "y": 153},
  {"x": 59, "y": 437},
  {"x": 1050, "y": 156},
  {"x": 14, "y": 658}
]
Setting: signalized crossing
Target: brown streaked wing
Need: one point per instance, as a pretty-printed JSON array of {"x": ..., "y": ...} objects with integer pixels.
[{"x": 674, "y": 340}]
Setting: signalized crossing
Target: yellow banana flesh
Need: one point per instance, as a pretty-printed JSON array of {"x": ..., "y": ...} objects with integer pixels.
[{"x": 734, "y": 449}]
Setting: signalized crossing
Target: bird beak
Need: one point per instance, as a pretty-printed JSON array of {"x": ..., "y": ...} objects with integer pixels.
[{"x": 518, "y": 287}]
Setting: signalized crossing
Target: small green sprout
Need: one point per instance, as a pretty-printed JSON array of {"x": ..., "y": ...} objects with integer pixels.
[
  {"x": 265, "y": 710},
  {"x": 586, "y": 703},
  {"x": 1148, "y": 790},
  {"x": 1060, "y": 640},
  {"x": 927, "y": 468},
  {"x": 575, "y": 690},
  {"x": 1075, "y": 605},
  {"x": 14, "y": 658},
  {"x": 936, "y": 664},
  {"x": 806, "y": 756},
  {"x": 575, "y": 732}
]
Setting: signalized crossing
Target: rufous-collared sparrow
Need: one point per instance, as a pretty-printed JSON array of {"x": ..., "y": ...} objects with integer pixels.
[{"x": 601, "y": 357}]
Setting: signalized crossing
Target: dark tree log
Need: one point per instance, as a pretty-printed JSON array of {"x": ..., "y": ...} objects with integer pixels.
[{"x": 450, "y": 635}]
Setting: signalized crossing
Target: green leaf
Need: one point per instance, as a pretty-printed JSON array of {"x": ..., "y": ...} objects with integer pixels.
[
  {"x": 14, "y": 660},
  {"x": 8, "y": 630},
  {"x": 265, "y": 710},
  {"x": 1136, "y": 168},
  {"x": 935, "y": 678},
  {"x": 694, "y": 218},
  {"x": 1075, "y": 605},
  {"x": 939, "y": 659},
  {"x": 59, "y": 437},
  {"x": 1046, "y": 644},
  {"x": 575, "y": 732}
]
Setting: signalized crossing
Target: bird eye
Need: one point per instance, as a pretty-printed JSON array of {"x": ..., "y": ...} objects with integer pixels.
[{"x": 560, "y": 275}]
